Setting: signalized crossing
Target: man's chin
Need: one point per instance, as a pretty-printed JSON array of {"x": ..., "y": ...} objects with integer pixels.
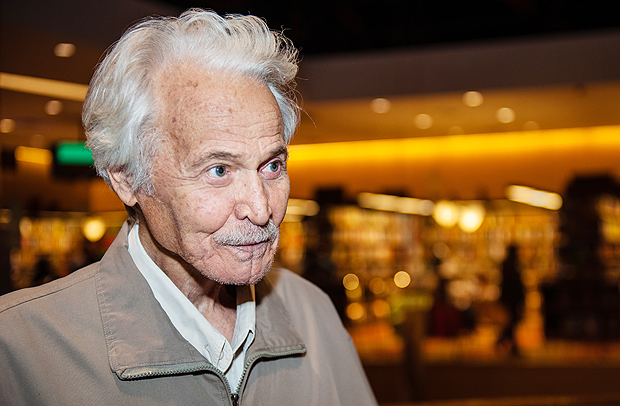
[
  {"x": 244, "y": 273},
  {"x": 252, "y": 280}
]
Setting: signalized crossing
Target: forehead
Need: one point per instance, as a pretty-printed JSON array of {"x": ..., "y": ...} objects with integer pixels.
[{"x": 195, "y": 105}]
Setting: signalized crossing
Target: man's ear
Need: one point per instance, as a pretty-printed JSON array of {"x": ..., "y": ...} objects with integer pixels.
[{"x": 122, "y": 187}]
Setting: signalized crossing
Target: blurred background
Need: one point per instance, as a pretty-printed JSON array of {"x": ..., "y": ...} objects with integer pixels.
[{"x": 454, "y": 180}]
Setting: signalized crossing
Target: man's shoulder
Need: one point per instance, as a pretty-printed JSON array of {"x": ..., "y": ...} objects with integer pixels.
[
  {"x": 279, "y": 275},
  {"x": 300, "y": 297},
  {"x": 50, "y": 291},
  {"x": 285, "y": 281}
]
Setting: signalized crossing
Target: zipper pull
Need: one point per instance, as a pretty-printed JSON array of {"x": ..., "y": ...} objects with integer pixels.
[{"x": 235, "y": 399}]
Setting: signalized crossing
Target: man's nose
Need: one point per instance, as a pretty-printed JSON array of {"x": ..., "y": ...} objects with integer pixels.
[{"x": 253, "y": 200}]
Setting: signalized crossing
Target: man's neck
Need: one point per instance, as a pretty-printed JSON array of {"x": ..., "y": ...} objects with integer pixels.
[{"x": 216, "y": 302}]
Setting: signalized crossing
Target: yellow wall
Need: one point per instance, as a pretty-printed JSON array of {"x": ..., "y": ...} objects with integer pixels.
[{"x": 463, "y": 167}]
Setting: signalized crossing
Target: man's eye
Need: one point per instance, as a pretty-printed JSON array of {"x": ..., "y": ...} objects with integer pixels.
[
  {"x": 217, "y": 171},
  {"x": 273, "y": 166}
]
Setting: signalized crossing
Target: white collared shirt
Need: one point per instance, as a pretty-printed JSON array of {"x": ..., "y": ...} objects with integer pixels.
[{"x": 193, "y": 326}]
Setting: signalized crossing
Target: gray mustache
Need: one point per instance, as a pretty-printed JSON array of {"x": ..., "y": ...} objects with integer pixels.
[{"x": 251, "y": 234}]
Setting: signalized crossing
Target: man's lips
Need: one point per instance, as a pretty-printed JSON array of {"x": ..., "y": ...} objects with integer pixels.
[{"x": 250, "y": 247}]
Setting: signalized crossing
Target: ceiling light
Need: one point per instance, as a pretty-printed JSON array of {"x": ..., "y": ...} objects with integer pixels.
[
  {"x": 472, "y": 145},
  {"x": 302, "y": 207},
  {"x": 33, "y": 155},
  {"x": 472, "y": 217},
  {"x": 472, "y": 98},
  {"x": 43, "y": 87},
  {"x": 53, "y": 107},
  {"x": 297, "y": 209},
  {"x": 7, "y": 125},
  {"x": 533, "y": 197},
  {"x": 446, "y": 213},
  {"x": 505, "y": 115},
  {"x": 531, "y": 125},
  {"x": 405, "y": 205},
  {"x": 64, "y": 50},
  {"x": 423, "y": 121},
  {"x": 380, "y": 105}
]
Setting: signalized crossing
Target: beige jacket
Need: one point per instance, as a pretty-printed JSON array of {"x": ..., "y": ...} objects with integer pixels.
[{"x": 99, "y": 337}]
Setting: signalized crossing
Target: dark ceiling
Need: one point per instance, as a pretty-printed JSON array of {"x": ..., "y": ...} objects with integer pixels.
[
  {"x": 327, "y": 26},
  {"x": 442, "y": 47},
  {"x": 29, "y": 30}
]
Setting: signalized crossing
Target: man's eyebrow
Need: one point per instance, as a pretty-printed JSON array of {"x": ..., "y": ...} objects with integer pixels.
[
  {"x": 281, "y": 150},
  {"x": 213, "y": 156},
  {"x": 220, "y": 155}
]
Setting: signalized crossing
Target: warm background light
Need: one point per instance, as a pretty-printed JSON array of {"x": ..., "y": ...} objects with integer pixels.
[
  {"x": 459, "y": 145},
  {"x": 93, "y": 228},
  {"x": 423, "y": 121},
  {"x": 297, "y": 209},
  {"x": 43, "y": 87},
  {"x": 505, "y": 115},
  {"x": 355, "y": 311},
  {"x": 380, "y": 105},
  {"x": 351, "y": 281},
  {"x": 64, "y": 50},
  {"x": 377, "y": 285},
  {"x": 53, "y": 107},
  {"x": 446, "y": 214},
  {"x": 7, "y": 125},
  {"x": 406, "y": 205},
  {"x": 402, "y": 279},
  {"x": 458, "y": 166},
  {"x": 33, "y": 155},
  {"x": 473, "y": 98},
  {"x": 471, "y": 217},
  {"x": 533, "y": 197}
]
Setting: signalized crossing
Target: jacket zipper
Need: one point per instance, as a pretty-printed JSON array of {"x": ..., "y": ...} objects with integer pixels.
[
  {"x": 166, "y": 371},
  {"x": 234, "y": 397},
  {"x": 250, "y": 361}
]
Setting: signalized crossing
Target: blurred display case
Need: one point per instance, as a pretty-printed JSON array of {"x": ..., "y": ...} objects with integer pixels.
[
  {"x": 54, "y": 244},
  {"x": 379, "y": 266}
]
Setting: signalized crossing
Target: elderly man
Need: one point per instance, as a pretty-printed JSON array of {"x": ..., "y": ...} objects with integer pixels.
[{"x": 188, "y": 119}]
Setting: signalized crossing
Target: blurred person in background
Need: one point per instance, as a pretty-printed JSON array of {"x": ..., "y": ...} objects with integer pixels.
[
  {"x": 189, "y": 120},
  {"x": 512, "y": 298}
]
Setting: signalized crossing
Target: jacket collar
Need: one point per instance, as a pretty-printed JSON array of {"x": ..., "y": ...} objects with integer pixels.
[{"x": 141, "y": 340}]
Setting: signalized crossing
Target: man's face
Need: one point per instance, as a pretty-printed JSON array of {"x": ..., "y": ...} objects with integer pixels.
[{"x": 219, "y": 176}]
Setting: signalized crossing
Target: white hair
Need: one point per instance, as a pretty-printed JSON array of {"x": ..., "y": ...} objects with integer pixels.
[{"x": 119, "y": 113}]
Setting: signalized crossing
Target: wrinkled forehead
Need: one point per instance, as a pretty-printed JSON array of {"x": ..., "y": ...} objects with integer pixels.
[
  {"x": 188, "y": 85},
  {"x": 194, "y": 103}
]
